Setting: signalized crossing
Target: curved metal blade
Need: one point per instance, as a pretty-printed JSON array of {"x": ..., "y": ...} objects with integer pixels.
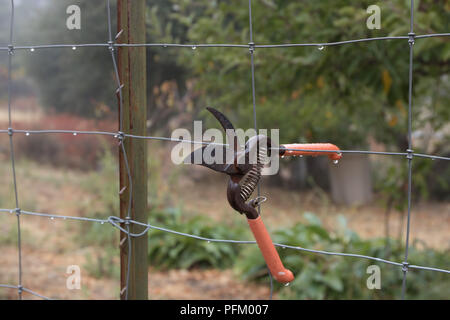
[
  {"x": 226, "y": 124},
  {"x": 228, "y": 127},
  {"x": 200, "y": 157}
]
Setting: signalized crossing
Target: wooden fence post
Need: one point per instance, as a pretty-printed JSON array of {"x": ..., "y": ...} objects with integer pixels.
[{"x": 132, "y": 72}]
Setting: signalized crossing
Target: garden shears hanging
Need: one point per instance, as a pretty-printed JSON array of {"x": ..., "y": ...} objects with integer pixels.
[{"x": 244, "y": 165}]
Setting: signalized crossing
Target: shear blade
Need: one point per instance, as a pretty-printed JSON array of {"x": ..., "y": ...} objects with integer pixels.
[
  {"x": 227, "y": 126},
  {"x": 213, "y": 157}
]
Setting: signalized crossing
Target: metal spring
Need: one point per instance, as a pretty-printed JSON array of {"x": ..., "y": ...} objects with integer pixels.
[{"x": 251, "y": 179}]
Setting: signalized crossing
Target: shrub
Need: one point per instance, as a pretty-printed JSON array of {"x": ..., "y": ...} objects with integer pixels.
[
  {"x": 167, "y": 250},
  {"x": 65, "y": 150},
  {"x": 332, "y": 277}
]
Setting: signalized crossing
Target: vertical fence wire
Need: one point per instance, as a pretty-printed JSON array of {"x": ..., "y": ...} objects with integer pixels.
[
  {"x": 251, "y": 47},
  {"x": 410, "y": 146},
  {"x": 11, "y": 145}
]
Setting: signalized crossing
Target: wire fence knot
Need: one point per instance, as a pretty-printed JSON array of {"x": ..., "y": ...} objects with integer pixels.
[
  {"x": 410, "y": 154},
  {"x": 412, "y": 37},
  {"x": 114, "y": 219},
  {"x": 251, "y": 47},
  {"x": 18, "y": 211},
  {"x": 111, "y": 45},
  {"x": 405, "y": 266},
  {"x": 10, "y": 131},
  {"x": 120, "y": 136},
  {"x": 10, "y": 49}
]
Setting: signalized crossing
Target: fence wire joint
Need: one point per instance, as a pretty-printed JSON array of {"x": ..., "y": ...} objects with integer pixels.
[
  {"x": 412, "y": 37},
  {"x": 410, "y": 154},
  {"x": 405, "y": 266}
]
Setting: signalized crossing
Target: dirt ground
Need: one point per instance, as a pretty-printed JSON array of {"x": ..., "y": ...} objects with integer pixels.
[{"x": 44, "y": 273}]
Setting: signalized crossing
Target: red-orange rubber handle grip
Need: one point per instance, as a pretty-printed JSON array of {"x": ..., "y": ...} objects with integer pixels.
[
  {"x": 270, "y": 254},
  {"x": 310, "y": 146}
]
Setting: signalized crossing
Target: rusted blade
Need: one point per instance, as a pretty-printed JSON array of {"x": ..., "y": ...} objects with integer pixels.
[
  {"x": 226, "y": 124},
  {"x": 206, "y": 155},
  {"x": 217, "y": 157}
]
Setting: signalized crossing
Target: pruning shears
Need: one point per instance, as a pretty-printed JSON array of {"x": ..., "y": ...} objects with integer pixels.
[{"x": 244, "y": 167}]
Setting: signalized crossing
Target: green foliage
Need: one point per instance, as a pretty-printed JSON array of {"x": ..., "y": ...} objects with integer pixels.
[
  {"x": 82, "y": 81},
  {"x": 164, "y": 27},
  {"x": 167, "y": 250},
  {"x": 79, "y": 81},
  {"x": 341, "y": 93},
  {"x": 391, "y": 181},
  {"x": 331, "y": 277}
]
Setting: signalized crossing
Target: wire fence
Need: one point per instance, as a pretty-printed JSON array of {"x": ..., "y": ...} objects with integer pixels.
[{"x": 124, "y": 224}]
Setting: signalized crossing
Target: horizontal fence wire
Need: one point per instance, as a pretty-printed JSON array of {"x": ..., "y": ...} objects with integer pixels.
[
  {"x": 124, "y": 224},
  {"x": 119, "y": 134},
  {"x": 116, "y": 221},
  {"x": 74, "y": 46}
]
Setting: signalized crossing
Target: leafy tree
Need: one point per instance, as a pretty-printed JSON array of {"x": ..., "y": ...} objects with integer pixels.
[
  {"x": 82, "y": 82},
  {"x": 78, "y": 81},
  {"x": 344, "y": 94}
]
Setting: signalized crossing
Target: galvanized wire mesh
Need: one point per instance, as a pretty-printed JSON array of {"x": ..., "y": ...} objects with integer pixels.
[{"x": 124, "y": 224}]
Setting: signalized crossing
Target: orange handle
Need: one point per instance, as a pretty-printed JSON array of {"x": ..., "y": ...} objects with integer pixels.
[
  {"x": 270, "y": 254},
  {"x": 312, "y": 147}
]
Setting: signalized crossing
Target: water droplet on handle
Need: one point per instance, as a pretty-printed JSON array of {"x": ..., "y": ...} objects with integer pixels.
[
  {"x": 74, "y": 133},
  {"x": 287, "y": 284},
  {"x": 52, "y": 218},
  {"x": 321, "y": 48},
  {"x": 194, "y": 47},
  {"x": 335, "y": 161},
  {"x": 74, "y": 48},
  {"x": 27, "y": 134},
  {"x": 32, "y": 49}
]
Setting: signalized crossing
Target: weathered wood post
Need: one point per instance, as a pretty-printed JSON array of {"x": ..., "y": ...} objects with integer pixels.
[{"x": 132, "y": 72}]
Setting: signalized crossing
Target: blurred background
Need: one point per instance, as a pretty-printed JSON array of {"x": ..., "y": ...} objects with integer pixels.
[{"x": 355, "y": 96}]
